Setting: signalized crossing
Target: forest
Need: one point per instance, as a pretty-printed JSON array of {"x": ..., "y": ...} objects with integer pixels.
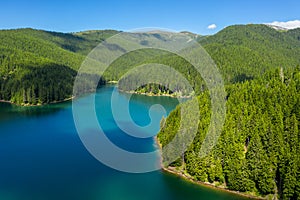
[
  {"x": 241, "y": 52},
  {"x": 39, "y": 67},
  {"x": 258, "y": 150}
]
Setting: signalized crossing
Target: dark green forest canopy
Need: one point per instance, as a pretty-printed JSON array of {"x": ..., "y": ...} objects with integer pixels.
[
  {"x": 246, "y": 51},
  {"x": 258, "y": 151},
  {"x": 241, "y": 52},
  {"x": 38, "y": 67}
]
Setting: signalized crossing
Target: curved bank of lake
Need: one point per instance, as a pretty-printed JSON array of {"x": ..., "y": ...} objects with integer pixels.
[{"x": 42, "y": 156}]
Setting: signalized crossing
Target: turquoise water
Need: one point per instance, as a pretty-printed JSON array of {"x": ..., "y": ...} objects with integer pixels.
[{"x": 42, "y": 157}]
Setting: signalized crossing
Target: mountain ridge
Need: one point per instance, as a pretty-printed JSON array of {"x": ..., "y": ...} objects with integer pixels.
[{"x": 241, "y": 52}]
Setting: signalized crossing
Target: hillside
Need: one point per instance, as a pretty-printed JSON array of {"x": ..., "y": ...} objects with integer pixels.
[
  {"x": 260, "y": 66},
  {"x": 242, "y": 52},
  {"x": 38, "y": 67},
  {"x": 258, "y": 150},
  {"x": 247, "y": 51}
]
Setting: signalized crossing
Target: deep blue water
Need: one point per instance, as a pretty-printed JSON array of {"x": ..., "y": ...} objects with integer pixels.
[{"x": 42, "y": 156}]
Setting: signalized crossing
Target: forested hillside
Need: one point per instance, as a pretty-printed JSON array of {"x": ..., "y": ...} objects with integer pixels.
[
  {"x": 258, "y": 151},
  {"x": 38, "y": 67},
  {"x": 241, "y": 52}
]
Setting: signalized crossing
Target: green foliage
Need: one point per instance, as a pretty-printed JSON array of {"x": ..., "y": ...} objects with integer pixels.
[
  {"x": 243, "y": 52},
  {"x": 258, "y": 150},
  {"x": 39, "y": 67}
]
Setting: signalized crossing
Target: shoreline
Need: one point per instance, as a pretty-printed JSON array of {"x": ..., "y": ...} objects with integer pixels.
[
  {"x": 31, "y": 105},
  {"x": 154, "y": 95},
  {"x": 109, "y": 82},
  {"x": 170, "y": 170},
  {"x": 61, "y": 101},
  {"x": 173, "y": 171}
]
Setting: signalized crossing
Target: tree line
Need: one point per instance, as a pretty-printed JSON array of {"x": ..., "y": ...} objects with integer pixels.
[{"x": 258, "y": 151}]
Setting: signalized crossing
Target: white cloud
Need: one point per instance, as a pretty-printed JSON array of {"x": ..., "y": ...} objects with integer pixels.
[
  {"x": 212, "y": 26},
  {"x": 288, "y": 25}
]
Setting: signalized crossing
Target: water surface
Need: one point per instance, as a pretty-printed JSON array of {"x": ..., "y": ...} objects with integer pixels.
[{"x": 42, "y": 157}]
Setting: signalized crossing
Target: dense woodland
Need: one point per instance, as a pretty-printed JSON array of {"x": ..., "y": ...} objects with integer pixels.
[
  {"x": 39, "y": 67},
  {"x": 241, "y": 52},
  {"x": 258, "y": 151}
]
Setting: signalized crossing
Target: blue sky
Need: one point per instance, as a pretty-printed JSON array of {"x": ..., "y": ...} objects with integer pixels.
[{"x": 193, "y": 15}]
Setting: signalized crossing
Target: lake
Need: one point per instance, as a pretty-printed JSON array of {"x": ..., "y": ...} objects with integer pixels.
[{"x": 43, "y": 158}]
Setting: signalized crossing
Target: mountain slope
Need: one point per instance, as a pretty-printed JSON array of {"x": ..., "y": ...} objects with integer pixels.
[
  {"x": 258, "y": 151},
  {"x": 242, "y": 52},
  {"x": 250, "y": 50},
  {"x": 38, "y": 67}
]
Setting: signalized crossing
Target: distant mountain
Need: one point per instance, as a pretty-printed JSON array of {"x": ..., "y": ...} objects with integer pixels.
[
  {"x": 94, "y": 37},
  {"x": 28, "y": 57},
  {"x": 192, "y": 35},
  {"x": 250, "y": 50}
]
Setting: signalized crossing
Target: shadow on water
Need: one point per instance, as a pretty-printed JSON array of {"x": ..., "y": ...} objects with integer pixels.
[{"x": 10, "y": 111}]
